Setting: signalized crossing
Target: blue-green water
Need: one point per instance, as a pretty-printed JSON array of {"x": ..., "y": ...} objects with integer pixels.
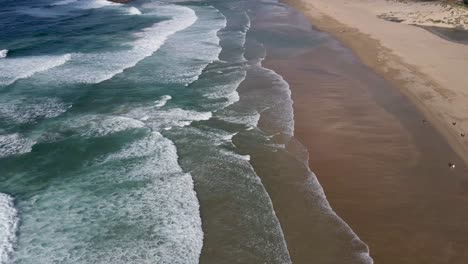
[{"x": 116, "y": 133}]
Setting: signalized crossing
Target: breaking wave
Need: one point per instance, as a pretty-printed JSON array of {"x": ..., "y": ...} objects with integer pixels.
[
  {"x": 3, "y": 53},
  {"x": 8, "y": 226},
  {"x": 98, "y": 67},
  {"x": 12, "y": 70}
]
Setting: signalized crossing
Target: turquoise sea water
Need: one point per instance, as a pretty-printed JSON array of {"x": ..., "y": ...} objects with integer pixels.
[{"x": 117, "y": 126}]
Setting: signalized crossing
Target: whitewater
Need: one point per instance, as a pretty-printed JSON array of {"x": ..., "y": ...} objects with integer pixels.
[{"x": 130, "y": 133}]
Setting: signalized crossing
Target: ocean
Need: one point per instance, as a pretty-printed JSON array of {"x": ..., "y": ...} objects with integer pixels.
[{"x": 137, "y": 133}]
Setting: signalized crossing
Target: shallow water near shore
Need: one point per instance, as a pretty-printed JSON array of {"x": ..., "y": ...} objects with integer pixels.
[
  {"x": 160, "y": 138},
  {"x": 450, "y": 34},
  {"x": 383, "y": 166}
]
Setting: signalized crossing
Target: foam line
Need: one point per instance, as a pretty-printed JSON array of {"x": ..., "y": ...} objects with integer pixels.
[
  {"x": 285, "y": 114},
  {"x": 64, "y": 2},
  {"x": 98, "y": 67},
  {"x": 12, "y": 70},
  {"x": 8, "y": 226},
  {"x": 92, "y": 4},
  {"x": 93, "y": 125}
]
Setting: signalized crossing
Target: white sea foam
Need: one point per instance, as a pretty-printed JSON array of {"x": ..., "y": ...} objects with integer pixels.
[
  {"x": 162, "y": 102},
  {"x": 138, "y": 203},
  {"x": 150, "y": 117},
  {"x": 233, "y": 155},
  {"x": 26, "y": 111},
  {"x": 95, "y": 4},
  {"x": 249, "y": 119},
  {"x": 233, "y": 74},
  {"x": 87, "y": 4},
  {"x": 64, "y": 2},
  {"x": 280, "y": 111},
  {"x": 173, "y": 191},
  {"x": 3, "y": 53},
  {"x": 98, "y": 67},
  {"x": 218, "y": 137},
  {"x": 232, "y": 98},
  {"x": 271, "y": 100},
  {"x": 321, "y": 199},
  {"x": 248, "y": 24},
  {"x": 14, "y": 144},
  {"x": 187, "y": 66},
  {"x": 134, "y": 11},
  {"x": 158, "y": 119},
  {"x": 92, "y": 4},
  {"x": 282, "y": 104},
  {"x": 101, "y": 125},
  {"x": 112, "y": 125},
  {"x": 208, "y": 49},
  {"x": 89, "y": 126},
  {"x": 18, "y": 68},
  {"x": 8, "y": 226},
  {"x": 229, "y": 90},
  {"x": 235, "y": 180}
]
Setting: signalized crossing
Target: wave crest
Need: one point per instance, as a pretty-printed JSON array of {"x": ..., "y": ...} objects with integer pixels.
[
  {"x": 12, "y": 70},
  {"x": 99, "y": 67},
  {"x": 134, "y": 11},
  {"x": 3, "y": 53}
]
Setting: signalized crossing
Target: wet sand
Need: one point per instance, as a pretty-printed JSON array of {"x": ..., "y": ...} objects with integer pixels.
[
  {"x": 427, "y": 68},
  {"x": 383, "y": 169}
]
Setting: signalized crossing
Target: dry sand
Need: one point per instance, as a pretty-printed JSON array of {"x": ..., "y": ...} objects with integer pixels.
[
  {"x": 430, "y": 70},
  {"x": 440, "y": 13}
]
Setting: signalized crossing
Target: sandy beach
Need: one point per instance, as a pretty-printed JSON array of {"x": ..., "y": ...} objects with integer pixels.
[
  {"x": 381, "y": 135},
  {"x": 428, "y": 69},
  {"x": 383, "y": 170}
]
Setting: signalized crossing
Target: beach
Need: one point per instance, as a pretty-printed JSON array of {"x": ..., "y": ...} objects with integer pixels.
[
  {"x": 428, "y": 69},
  {"x": 380, "y": 135},
  {"x": 225, "y": 132}
]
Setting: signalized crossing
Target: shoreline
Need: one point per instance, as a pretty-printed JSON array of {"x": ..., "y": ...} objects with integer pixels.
[
  {"x": 437, "y": 89},
  {"x": 384, "y": 171}
]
